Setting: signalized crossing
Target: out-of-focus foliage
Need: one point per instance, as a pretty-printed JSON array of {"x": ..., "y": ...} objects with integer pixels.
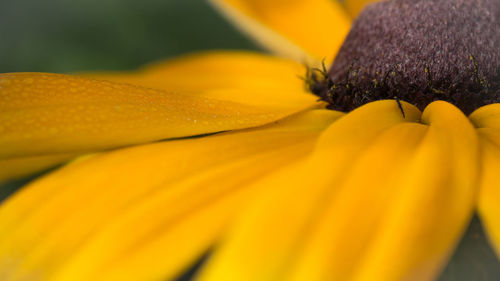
[{"x": 79, "y": 35}]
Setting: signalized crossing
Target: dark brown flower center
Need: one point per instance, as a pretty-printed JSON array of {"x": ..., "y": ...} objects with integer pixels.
[{"x": 417, "y": 51}]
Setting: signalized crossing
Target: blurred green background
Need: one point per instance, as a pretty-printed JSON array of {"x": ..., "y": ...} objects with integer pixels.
[{"x": 80, "y": 35}]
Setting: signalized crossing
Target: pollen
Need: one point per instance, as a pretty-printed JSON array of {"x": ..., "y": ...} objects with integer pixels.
[{"x": 417, "y": 51}]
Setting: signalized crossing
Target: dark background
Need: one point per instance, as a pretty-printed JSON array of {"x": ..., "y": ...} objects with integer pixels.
[{"x": 80, "y": 35}]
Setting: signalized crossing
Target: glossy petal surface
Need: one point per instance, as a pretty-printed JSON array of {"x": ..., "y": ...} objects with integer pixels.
[{"x": 50, "y": 113}]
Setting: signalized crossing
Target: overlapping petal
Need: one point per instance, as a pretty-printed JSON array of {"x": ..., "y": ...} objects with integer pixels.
[
  {"x": 49, "y": 113},
  {"x": 487, "y": 116},
  {"x": 12, "y": 168},
  {"x": 202, "y": 72},
  {"x": 487, "y": 119},
  {"x": 147, "y": 212},
  {"x": 435, "y": 202},
  {"x": 377, "y": 201},
  {"x": 489, "y": 194},
  {"x": 304, "y": 30},
  {"x": 262, "y": 80},
  {"x": 262, "y": 246}
]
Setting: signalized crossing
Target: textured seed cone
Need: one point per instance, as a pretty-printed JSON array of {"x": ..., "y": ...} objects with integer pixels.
[{"x": 420, "y": 51}]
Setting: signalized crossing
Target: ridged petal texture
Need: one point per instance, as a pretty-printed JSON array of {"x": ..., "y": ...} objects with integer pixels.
[
  {"x": 487, "y": 119},
  {"x": 49, "y": 118},
  {"x": 304, "y": 30},
  {"x": 147, "y": 212},
  {"x": 381, "y": 198}
]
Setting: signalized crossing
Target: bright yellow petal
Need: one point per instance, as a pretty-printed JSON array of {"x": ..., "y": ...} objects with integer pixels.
[
  {"x": 51, "y": 113},
  {"x": 489, "y": 196},
  {"x": 12, "y": 168},
  {"x": 215, "y": 70},
  {"x": 143, "y": 213},
  {"x": 347, "y": 221},
  {"x": 437, "y": 193},
  {"x": 263, "y": 79},
  {"x": 487, "y": 116},
  {"x": 377, "y": 201},
  {"x": 354, "y": 7},
  {"x": 487, "y": 119},
  {"x": 304, "y": 30},
  {"x": 263, "y": 244}
]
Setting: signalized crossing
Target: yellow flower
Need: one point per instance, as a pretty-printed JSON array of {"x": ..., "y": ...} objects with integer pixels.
[{"x": 287, "y": 191}]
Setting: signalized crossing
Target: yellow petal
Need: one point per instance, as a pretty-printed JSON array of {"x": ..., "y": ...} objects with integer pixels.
[
  {"x": 436, "y": 197},
  {"x": 12, "y": 168},
  {"x": 143, "y": 213},
  {"x": 389, "y": 203},
  {"x": 487, "y": 119},
  {"x": 487, "y": 116},
  {"x": 354, "y": 7},
  {"x": 348, "y": 220},
  {"x": 489, "y": 196},
  {"x": 217, "y": 74},
  {"x": 263, "y": 244},
  {"x": 213, "y": 70},
  {"x": 50, "y": 113},
  {"x": 304, "y": 30}
]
